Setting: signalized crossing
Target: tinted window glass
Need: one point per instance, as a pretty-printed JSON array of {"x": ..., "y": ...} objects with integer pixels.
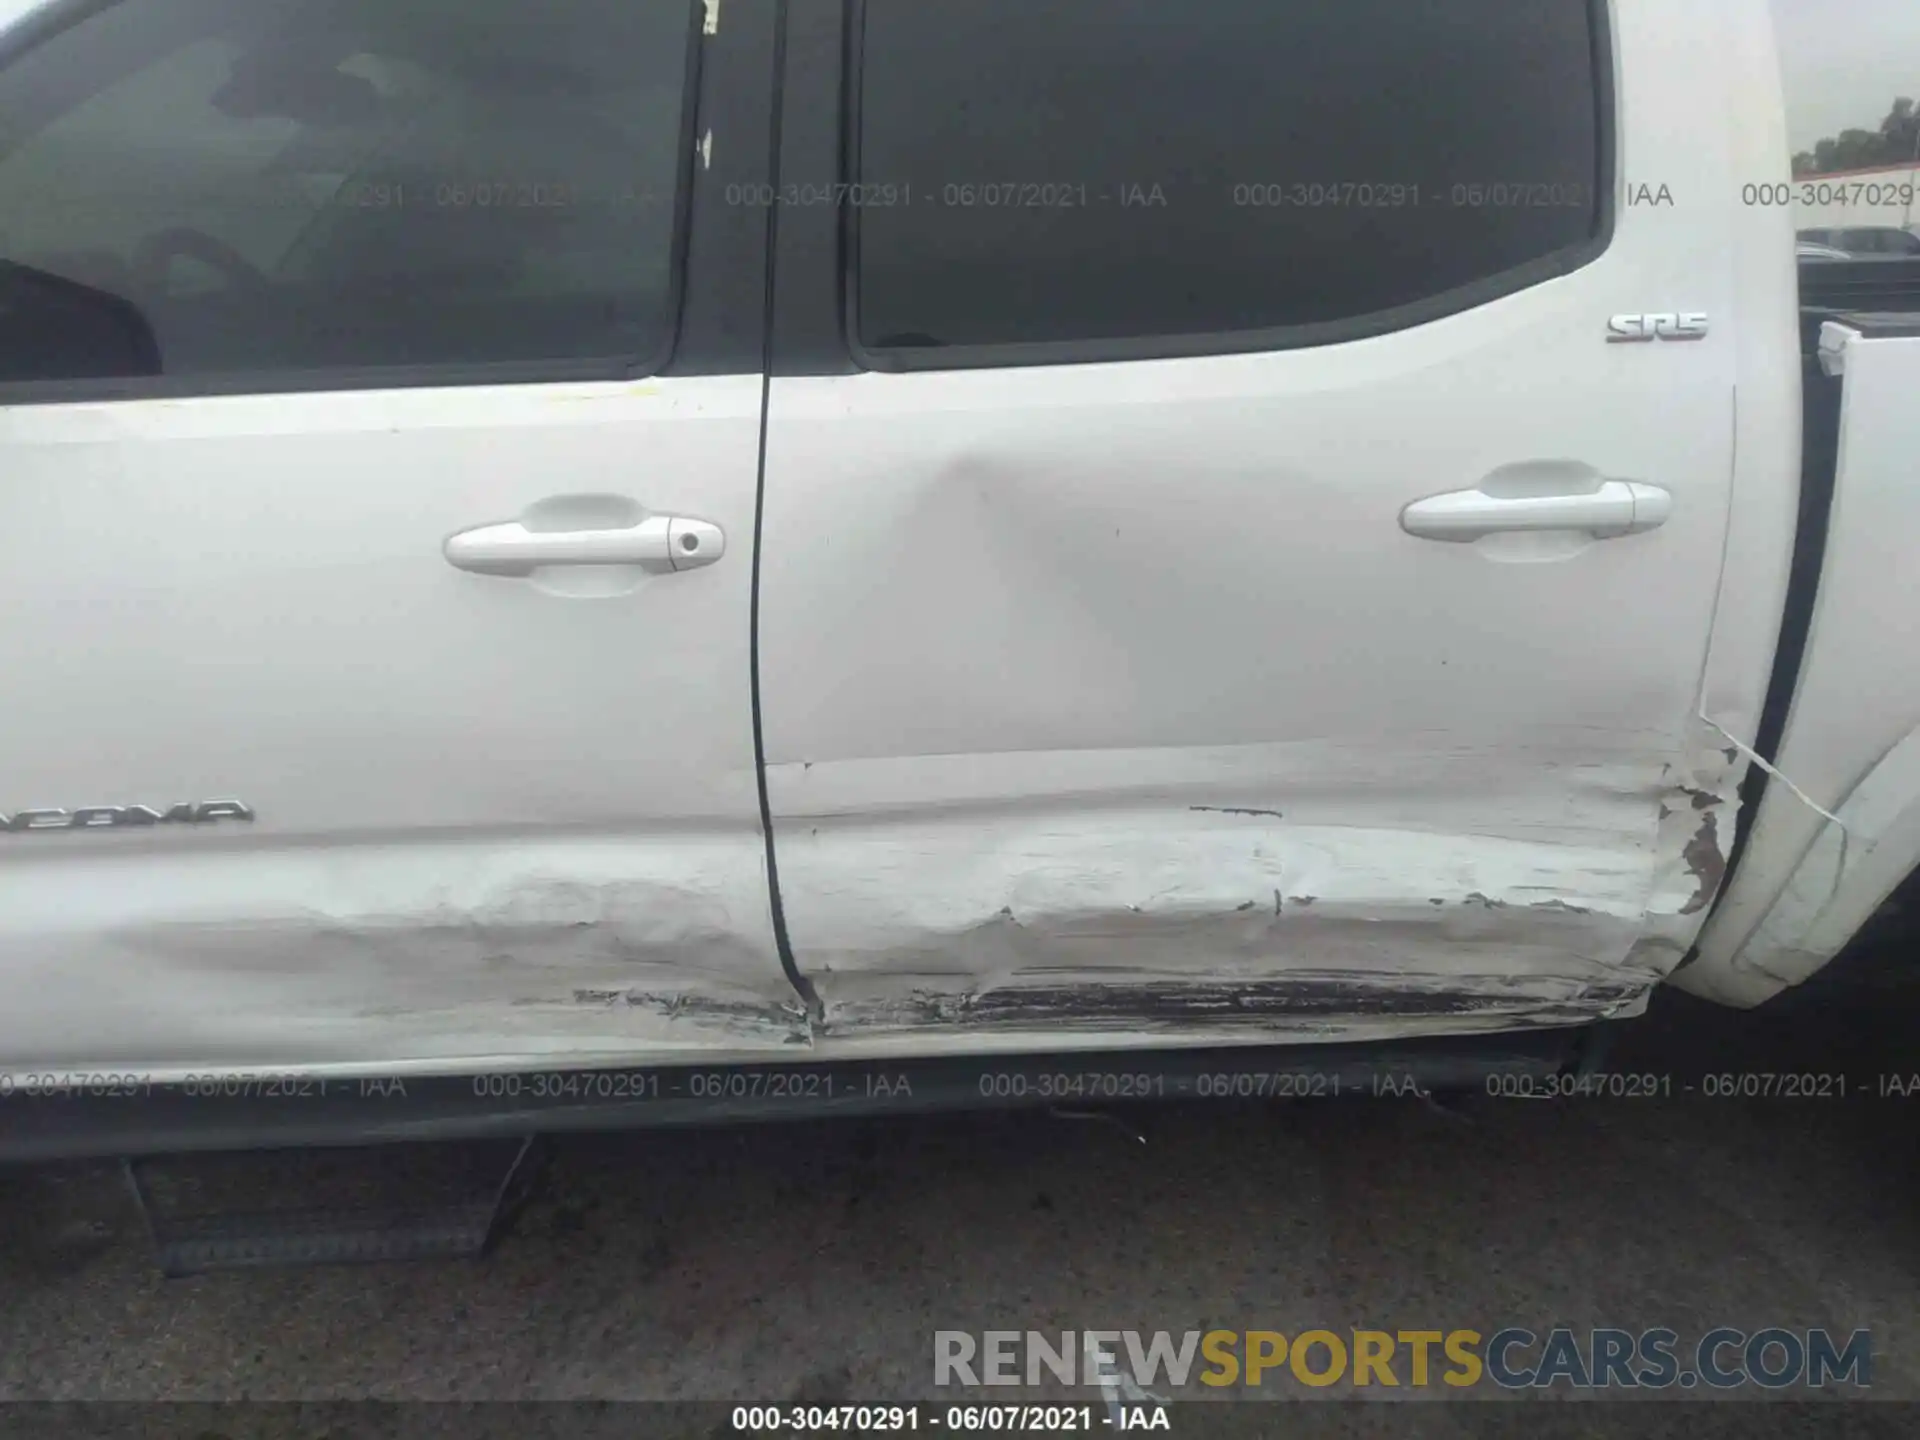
[
  {"x": 1080, "y": 170},
  {"x": 245, "y": 186}
]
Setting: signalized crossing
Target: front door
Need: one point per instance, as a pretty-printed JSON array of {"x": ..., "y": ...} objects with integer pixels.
[{"x": 377, "y": 470}]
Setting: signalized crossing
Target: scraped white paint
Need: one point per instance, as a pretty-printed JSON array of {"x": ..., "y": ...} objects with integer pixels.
[
  {"x": 994, "y": 899},
  {"x": 189, "y": 957},
  {"x": 1845, "y": 875}
]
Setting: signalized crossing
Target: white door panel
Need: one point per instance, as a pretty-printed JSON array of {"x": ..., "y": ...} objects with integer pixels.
[
  {"x": 490, "y": 819},
  {"x": 1204, "y": 557},
  {"x": 1111, "y": 703},
  {"x": 1124, "y": 516},
  {"x": 283, "y": 555},
  {"x": 303, "y": 294}
]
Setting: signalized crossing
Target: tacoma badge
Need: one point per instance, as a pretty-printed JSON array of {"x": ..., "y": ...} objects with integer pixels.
[{"x": 122, "y": 817}]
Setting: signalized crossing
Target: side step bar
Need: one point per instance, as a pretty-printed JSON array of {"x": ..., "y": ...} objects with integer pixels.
[
  {"x": 69, "y": 1122},
  {"x": 485, "y": 1133},
  {"x": 456, "y": 1228}
]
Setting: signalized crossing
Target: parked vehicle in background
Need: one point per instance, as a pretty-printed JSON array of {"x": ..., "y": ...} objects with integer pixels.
[
  {"x": 1866, "y": 242},
  {"x": 687, "y": 536},
  {"x": 1808, "y": 250}
]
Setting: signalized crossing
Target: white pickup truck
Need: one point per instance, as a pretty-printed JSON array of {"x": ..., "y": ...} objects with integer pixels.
[{"x": 550, "y": 537}]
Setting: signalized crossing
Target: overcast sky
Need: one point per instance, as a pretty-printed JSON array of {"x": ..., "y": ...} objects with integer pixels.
[{"x": 1844, "y": 60}]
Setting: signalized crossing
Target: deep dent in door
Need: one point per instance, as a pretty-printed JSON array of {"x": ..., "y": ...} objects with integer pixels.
[{"x": 1338, "y": 912}]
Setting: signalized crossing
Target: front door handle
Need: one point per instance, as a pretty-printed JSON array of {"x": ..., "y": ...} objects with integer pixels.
[
  {"x": 1616, "y": 507},
  {"x": 660, "y": 543}
]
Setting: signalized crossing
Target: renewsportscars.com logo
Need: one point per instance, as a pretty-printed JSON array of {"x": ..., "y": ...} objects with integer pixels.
[{"x": 1513, "y": 1358}]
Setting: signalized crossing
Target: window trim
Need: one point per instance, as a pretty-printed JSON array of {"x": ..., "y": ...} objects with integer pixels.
[
  {"x": 41, "y": 26},
  {"x": 1231, "y": 342}
]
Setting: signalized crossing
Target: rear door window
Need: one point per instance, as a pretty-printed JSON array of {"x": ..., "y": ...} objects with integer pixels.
[{"x": 1085, "y": 172}]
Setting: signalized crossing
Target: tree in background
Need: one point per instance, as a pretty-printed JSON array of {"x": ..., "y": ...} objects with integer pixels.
[{"x": 1896, "y": 142}]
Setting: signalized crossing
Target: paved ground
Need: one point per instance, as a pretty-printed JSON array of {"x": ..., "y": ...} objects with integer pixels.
[{"x": 813, "y": 1262}]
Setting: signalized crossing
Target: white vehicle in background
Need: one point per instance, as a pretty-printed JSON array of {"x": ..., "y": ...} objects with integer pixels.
[{"x": 559, "y": 558}]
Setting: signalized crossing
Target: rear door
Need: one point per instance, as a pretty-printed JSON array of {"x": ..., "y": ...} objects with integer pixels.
[
  {"x": 1227, "y": 571},
  {"x": 377, "y": 471}
]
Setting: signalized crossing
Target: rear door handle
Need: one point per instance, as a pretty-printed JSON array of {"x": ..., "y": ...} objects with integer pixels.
[
  {"x": 1617, "y": 507},
  {"x": 660, "y": 543}
]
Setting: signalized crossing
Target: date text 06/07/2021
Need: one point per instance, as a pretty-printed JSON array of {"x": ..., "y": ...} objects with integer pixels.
[{"x": 959, "y": 1419}]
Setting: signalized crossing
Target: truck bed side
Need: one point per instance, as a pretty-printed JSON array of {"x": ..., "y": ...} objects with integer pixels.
[{"x": 1842, "y": 722}]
